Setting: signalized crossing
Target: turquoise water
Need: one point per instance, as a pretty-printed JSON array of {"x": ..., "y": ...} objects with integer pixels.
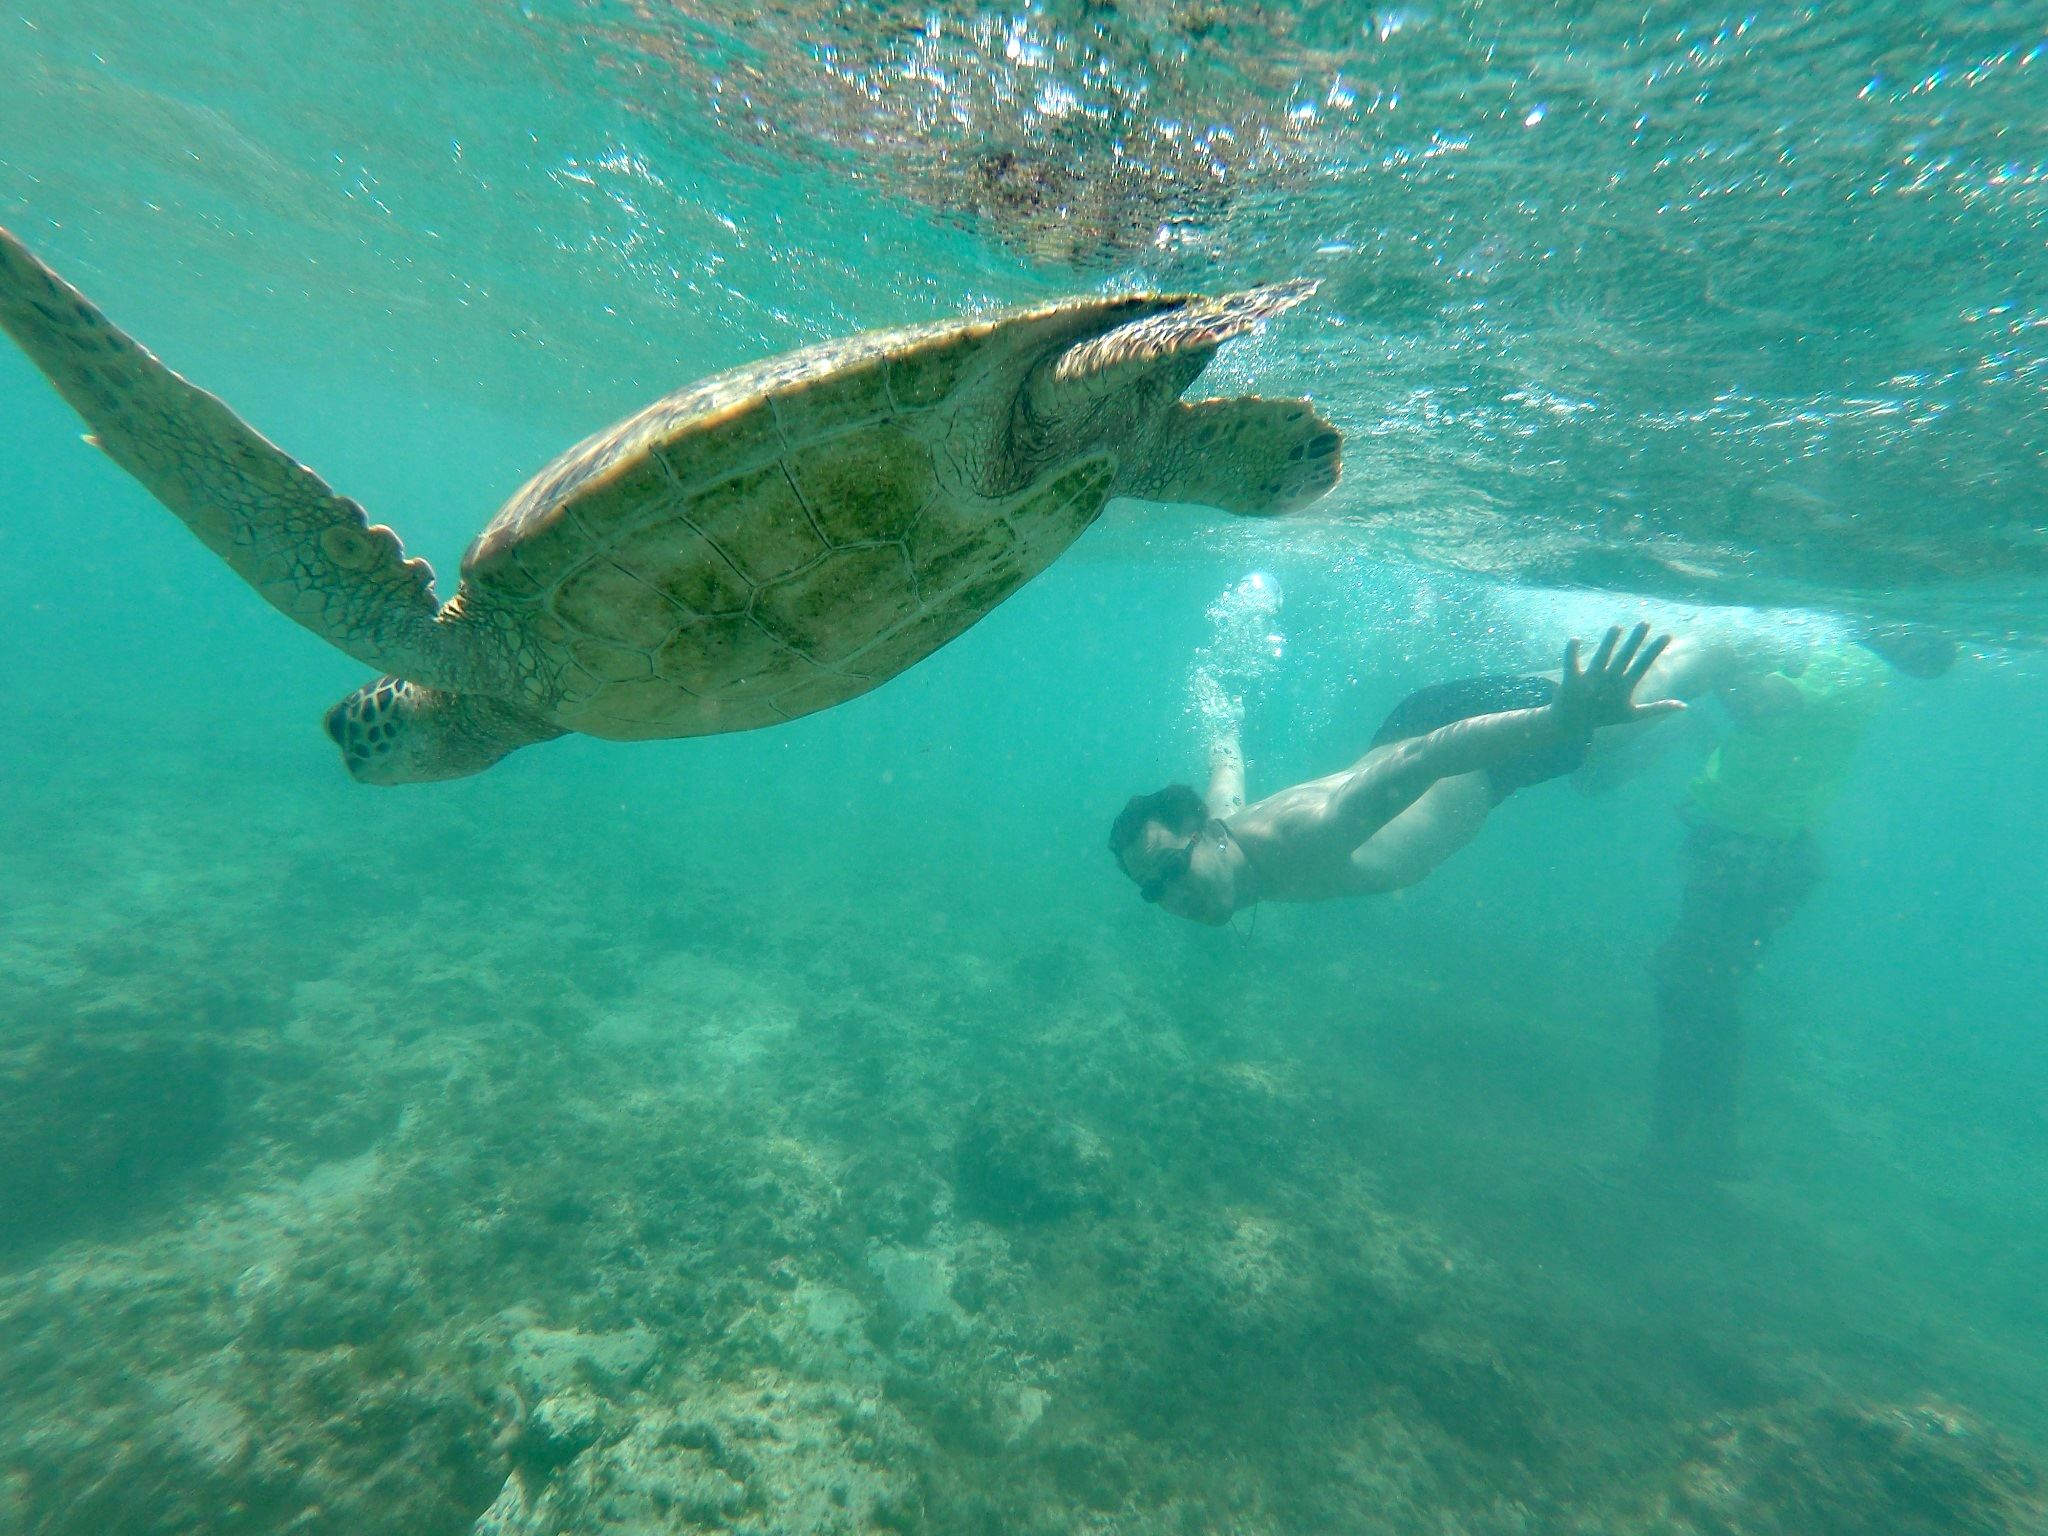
[{"x": 809, "y": 1130}]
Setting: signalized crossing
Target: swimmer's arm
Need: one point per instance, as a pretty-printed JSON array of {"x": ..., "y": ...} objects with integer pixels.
[
  {"x": 1389, "y": 783},
  {"x": 1226, "y": 775},
  {"x": 1600, "y": 694}
]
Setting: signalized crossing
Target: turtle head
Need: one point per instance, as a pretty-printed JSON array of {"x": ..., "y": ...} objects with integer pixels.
[{"x": 395, "y": 732}]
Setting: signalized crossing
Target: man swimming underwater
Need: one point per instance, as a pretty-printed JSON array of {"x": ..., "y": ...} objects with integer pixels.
[{"x": 1437, "y": 767}]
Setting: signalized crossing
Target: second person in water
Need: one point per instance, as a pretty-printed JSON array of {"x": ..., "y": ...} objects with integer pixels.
[{"x": 1437, "y": 767}]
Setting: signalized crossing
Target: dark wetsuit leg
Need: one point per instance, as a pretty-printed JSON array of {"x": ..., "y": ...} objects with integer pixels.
[
  {"x": 1428, "y": 709},
  {"x": 1739, "y": 891}
]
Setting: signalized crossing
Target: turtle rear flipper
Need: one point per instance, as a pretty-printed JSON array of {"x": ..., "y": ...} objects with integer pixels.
[
  {"x": 310, "y": 553},
  {"x": 1249, "y": 456}
]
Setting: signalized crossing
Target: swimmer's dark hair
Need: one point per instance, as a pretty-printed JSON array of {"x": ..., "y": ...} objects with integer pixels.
[{"x": 1177, "y": 808}]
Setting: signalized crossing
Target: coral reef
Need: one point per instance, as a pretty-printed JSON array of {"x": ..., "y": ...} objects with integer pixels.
[{"x": 773, "y": 1229}]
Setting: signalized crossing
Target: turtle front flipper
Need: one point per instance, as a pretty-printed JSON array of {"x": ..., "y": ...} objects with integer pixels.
[
  {"x": 1250, "y": 456},
  {"x": 310, "y": 553},
  {"x": 1193, "y": 330}
]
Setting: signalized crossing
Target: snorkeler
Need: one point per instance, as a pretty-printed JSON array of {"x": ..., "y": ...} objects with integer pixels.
[
  {"x": 1751, "y": 861},
  {"x": 1437, "y": 767}
]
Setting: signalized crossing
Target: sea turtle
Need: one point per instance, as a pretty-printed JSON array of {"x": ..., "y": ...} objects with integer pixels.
[{"x": 768, "y": 542}]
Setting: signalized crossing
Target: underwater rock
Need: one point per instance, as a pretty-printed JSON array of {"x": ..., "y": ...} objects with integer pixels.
[
  {"x": 768, "y": 1461},
  {"x": 1014, "y": 1164},
  {"x": 510, "y": 1513},
  {"x": 1855, "y": 1469},
  {"x": 561, "y": 1427},
  {"x": 93, "y": 1126},
  {"x": 666, "y": 1469},
  {"x": 550, "y": 1360},
  {"x": 916, "y": 1284}
]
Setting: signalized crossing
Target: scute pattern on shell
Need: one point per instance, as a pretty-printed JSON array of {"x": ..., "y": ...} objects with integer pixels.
[{"x": 780, "y": 538}]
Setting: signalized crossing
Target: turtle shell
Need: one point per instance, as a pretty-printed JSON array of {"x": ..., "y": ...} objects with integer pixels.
[{"x": 782, "y": 537}]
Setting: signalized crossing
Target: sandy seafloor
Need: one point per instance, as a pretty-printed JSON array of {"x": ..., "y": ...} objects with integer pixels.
[{"x": 467, "y": 1182}]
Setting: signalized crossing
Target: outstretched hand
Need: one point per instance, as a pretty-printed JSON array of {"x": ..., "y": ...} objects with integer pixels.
[{"x": 1602, "y": 692}]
